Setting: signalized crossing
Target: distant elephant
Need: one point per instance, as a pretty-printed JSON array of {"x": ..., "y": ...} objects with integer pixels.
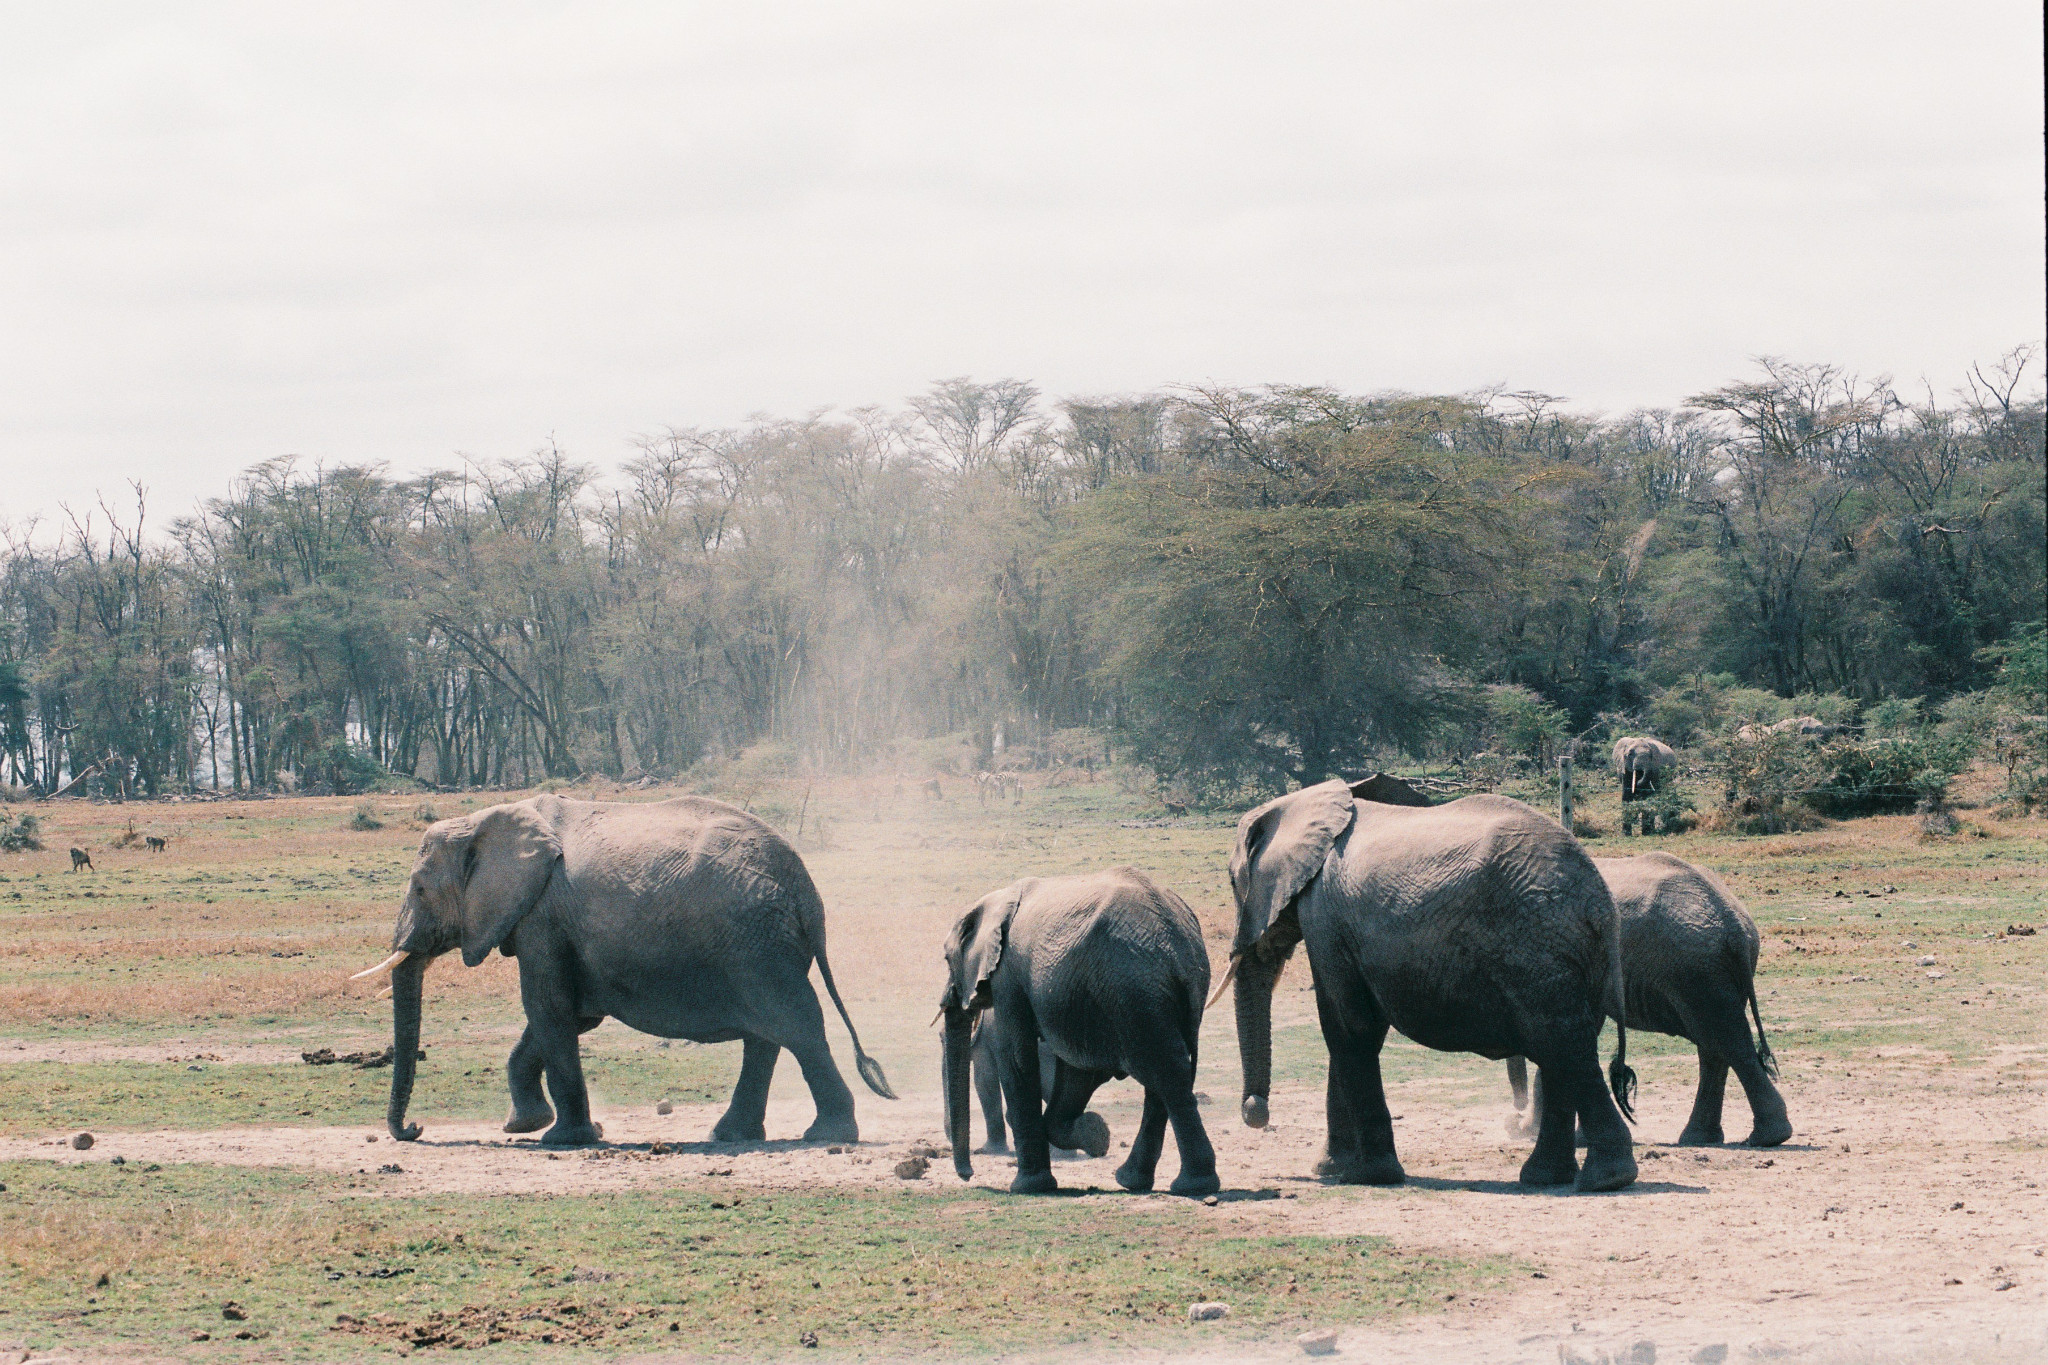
[
  {"x": 988, "y": 1088},
  {"x": 685, "y": 918},
  {"x": 1475, "y": 926},
  {"x": 1107, "y": 971},
  {"x": 1640, "y": 762},
  {"x": 1689, "y": 950}
]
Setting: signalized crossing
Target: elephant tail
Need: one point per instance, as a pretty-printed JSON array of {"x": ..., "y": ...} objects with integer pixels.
[
  {"x": 1621, "y": 1078},
  {"x": 870, "y": 1069},
  {"x": 1763, "y": 1044}
]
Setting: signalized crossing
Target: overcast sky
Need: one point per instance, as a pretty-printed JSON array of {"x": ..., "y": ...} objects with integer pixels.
[{"x": 359, "y": 233}]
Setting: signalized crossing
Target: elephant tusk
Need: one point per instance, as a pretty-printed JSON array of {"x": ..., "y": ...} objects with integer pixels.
[
  {"x": 936, "y": 1017},
  {"x": 384, "y": 994},
  {"x": 382, "y": 967},
  {"x": 1224, "y": 984}
]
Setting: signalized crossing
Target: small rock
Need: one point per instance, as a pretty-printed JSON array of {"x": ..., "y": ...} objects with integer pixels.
[
  {"x": 834, "y": 1151},
  {"x": 369, "y": 1137},
  {"x": 1318, "y": 1343},
  {"x": 1642, "y": 1353},
  {"x": 391, "y": 1168},
  {"x": 81, "y": 1141},
  {"x": 2003, "y": 1285},
  {"x": 1711, "y": 1355},
  {"x": 234, "y": 1312},
  {"x": 664, "y": 1108},
  {"x": 199, "y": 1334},
  {"x": 120, "y": 1161},
  {"x": 912, "y": 1168},
  {"x": 807, "y": 1340},
  {"x": 1571, "y": 1355},
  {"x": 1936, "y": 976},
  {"x": 1208, "y": 1312},
  {"x": 1927, "y": 961}
]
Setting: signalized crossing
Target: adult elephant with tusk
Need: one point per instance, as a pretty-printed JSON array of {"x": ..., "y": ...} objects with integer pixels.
[
  {"x": 1475, "y": 926},
  {"x": 685, "y": 919}
]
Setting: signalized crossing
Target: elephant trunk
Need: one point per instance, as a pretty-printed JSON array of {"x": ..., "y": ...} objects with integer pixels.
[
  {"x": 958, "y": 1071},
  {"x": 1257, "y": 973},
  {"x": 407, "y": 985}
]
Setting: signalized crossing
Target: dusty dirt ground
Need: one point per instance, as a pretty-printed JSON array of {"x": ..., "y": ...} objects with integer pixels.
[{"x": 1889, "y": 1228}]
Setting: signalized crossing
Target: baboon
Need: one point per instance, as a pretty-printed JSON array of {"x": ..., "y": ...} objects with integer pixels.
[
  {"x": 155, "y": 842},
  {"x": 80, "y": 858}
]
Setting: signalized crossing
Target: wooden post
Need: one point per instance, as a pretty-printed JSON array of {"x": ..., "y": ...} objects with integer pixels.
[{"x": 1564, "y": 792}]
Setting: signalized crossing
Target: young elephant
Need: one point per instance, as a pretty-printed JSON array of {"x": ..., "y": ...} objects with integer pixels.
[
  {"x": 1688, "y": 952},
  {"x": 1090, "y": 1131},
  {"x": 1109, "y": 972}
]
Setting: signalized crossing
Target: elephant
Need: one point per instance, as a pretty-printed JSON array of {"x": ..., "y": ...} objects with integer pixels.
[
  {"x": 1689, "y": 952},
  {"x": 685, "y": 918},
  {"x": 988, "y": 1088},
  {"x": 1478, "y": 925},
  {"x": 1640, "y": 762},
  {"x": 1106, "y": 970}
]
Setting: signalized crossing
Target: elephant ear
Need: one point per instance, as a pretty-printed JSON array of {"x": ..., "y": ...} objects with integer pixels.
[
  {"x": 513, "y": 853},
  {"x": 1281, "y": 847},
  {"x": 976, "y": 947},
  {"x": 1388, "y": 790}
]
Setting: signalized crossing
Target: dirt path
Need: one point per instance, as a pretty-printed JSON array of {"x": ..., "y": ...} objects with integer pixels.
[{"x": 1887, "y": 1229}]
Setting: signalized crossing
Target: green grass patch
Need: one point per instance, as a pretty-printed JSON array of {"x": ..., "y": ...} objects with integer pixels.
[{"x": 133, "y": 1258}]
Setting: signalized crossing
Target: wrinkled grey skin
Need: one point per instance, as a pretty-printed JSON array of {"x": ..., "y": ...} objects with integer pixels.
[
  {"x": 1640, "y": 763},
  {"x": 1106, "y": 971},
  {"x": 683, "y": 918},
  {"x": 1475, "y": 926},
  {"x": 1689, "y": 951}
]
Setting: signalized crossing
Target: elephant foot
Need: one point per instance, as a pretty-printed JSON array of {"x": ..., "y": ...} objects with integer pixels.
[
  {"x": 1549, "y": 1170},
  {"x": 573, "y": 1135},
  {"x": 1707, "y": 1135},
  {"x": 1769, "y": 1132},
  {"x": 1034, "y": 1182},
  {"x": 1375, "y": 1170},
  {"x": 1520, "y": 1125},
  {"x": 838, "y": 1128},
  {"x": 529, "y": 1121},
  {"x": 730, "y": 1129},
  {"x": 1133, "y": 1179},
  {"x": 1602, "y": 1173},
  {"x": 1195, "y": 1185},
  {"x": 1087, "y": 1133}
]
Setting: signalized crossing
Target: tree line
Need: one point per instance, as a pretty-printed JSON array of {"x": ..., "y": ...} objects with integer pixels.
[{"x": 1242, "y": 588}]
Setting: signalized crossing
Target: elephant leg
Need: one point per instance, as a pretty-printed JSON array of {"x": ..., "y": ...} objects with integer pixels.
[
  {"x": 802, "y": 1031},
  {"x": 562, "y": 1061},
  {"x": 1068, "y": 1122},
  {"x": 1197, "y": 1158},
  {"x": 1360, "y": 1150},
  {"x": 1610, "y": 1153},
  {"x": 835, "y": 1121},
  {"x": 1554, "y": 1161},
  {"x": 1703, "y": 1129},
  {"x": 530, "y": 1111},
  {"x": 1769, "y": 1124},
  {"x": 1017, "y": 1060},
  {"x": 988, "y": 1089},
  {"x": 1137, "y": 1171},
  {"x": 746, "y": 1117}
]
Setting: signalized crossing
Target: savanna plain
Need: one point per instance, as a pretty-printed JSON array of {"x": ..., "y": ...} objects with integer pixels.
[{"x": 239, "y": 1202}]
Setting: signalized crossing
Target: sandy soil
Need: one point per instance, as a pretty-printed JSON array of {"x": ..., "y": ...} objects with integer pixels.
[{"x": 1900, "y": 1228}]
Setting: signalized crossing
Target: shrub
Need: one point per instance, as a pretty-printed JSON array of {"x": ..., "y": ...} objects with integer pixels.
[
  {"x": 365, "y": 818},
  {"x": 21, "y": 836},
  {"x": 1520, "y": 722}
]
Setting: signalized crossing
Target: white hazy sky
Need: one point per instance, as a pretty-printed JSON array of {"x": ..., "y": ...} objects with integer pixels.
[{"x": 368, "y": 233}]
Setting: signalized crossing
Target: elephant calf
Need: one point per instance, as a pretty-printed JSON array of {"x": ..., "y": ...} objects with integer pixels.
[
  {"x": 988, "y": 1088},
  {"x": 1108, "y": 971},
  {"x": 1688, "y": 952}
]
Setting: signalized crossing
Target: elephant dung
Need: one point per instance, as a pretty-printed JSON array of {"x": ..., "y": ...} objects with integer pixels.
[
  {"x": 1318, "y": 1343},
  {"x": 1208, "y": 1312},
  {"x": 665, "y": 1108},
  {"x": 912, "y": 1168},
  {"x": 81, "y": 1141}
]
